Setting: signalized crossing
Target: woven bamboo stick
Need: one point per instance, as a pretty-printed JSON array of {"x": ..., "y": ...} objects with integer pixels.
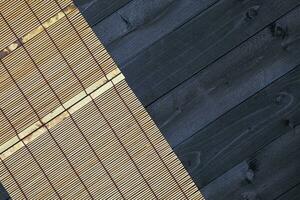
[{"x": 70, "y": 125}]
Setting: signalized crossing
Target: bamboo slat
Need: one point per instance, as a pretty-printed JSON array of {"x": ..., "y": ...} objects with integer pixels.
[{"x": 70, "y": 126}]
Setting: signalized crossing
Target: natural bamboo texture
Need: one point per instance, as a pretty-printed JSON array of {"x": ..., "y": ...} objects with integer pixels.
[{"x": 70, "y": 126}]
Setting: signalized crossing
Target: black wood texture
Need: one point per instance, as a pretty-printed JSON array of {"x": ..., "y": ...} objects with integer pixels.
[
  {"x": 292, "y": 194},
  {"x": 142, "y": 22},
  {"x": 96, "y": 10},
  {"x": 3, "y": 193},
  {"x": 227, "y": 82},
  {"x": 244, "y": 130},
  {"x": 179, "y": 55},
  {"x": 269, "y": 174}
]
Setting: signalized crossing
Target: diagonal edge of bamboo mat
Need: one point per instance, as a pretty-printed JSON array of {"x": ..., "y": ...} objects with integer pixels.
[{"x": 111, "y": 80}]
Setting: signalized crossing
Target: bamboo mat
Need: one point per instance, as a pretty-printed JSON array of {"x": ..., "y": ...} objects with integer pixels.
[{"x": 70, "y": 126}]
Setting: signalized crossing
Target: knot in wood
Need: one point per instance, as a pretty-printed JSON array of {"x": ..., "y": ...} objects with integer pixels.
[
  {"x": 278, "y": 31},
  {"x": 252, "y": 12}
]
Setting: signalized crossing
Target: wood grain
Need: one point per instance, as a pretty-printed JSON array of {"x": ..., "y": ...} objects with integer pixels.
[
  {"x": 129, "y": 18},
  {"x": 3, "y": 194},
  {"x": 270, "y": 172},
  {"x": 198, "y": 43},
  {"x": 140, "y": 23},
  {"x": 96, "y": 10},
  {"x": 244, "y": 130},
  {"x": 292, "y": 194},
  {"x": 229, "y": 81}
]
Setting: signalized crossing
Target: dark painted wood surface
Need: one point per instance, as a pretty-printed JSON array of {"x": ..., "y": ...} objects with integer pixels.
[
  {"x": 204, "y": 39},
  {"x": 3, "y": 193},
  {"x": 157, "y": 18},
  {"x": 265, "y": 175},
  {"x": 243, "y": 131},
  {"x": 220, "y": 79},
  {"x": 140, "y": 23},
  {"x": 292, "y": 194},
  {"x": 96, "y": 10},
  {"x": 230, "y": 80}
]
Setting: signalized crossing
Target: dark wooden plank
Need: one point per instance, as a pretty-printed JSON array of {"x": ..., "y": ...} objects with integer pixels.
[
  {"x": 292, "y": 194},
  {"x": 131, "y": 17},
  {"x": 228, "y": 182},
  {"x": 96, "y": 10},
  {"x": 142, "y": 22},
  {"x": 224, "y": 84},
  {"x": 268, "y": 174},
  {"x": 177, "y": 56},
  {"x": 243, "y": 130},
  {"x": 3, "y": 193}
]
